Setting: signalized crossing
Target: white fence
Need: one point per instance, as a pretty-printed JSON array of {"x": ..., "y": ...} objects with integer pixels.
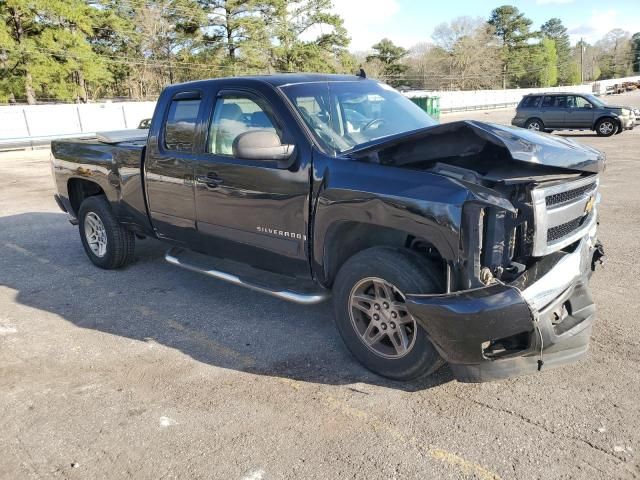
[
  {"x": 478, "y": 99},
  {"x": 30, "y": 125}
]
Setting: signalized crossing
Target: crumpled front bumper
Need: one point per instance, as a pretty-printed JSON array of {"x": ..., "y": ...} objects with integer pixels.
[{"x": 541, "y": 320}]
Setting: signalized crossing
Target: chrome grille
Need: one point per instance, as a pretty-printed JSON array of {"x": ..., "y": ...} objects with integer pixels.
[
  {"x": 560, "y": 231},
  {"x": 564, "y": 197},
  {"x": 563, "y": 213}
]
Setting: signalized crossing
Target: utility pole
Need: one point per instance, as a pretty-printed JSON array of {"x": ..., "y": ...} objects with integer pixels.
[{"x": 581, "y": 61}]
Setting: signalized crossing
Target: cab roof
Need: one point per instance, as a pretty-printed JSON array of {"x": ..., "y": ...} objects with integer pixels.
[
  {"x": 556, "y": 93},
  {"x": 276, "y": 80}
]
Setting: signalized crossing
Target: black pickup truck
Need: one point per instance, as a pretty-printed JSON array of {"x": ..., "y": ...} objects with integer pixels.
[{"x": 469, "y": 243}]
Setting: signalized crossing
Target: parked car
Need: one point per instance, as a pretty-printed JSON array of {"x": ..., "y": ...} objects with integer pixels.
[
  {"x": 572, "y": 111},
  {"x": 467, "y": 242}
]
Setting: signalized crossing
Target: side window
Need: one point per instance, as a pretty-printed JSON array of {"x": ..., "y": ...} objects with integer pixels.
[
  {"x": 561, "y": 101},
  {"x": 581, "y": 102},
  {"x": 180, "y": 127},
  {"x": 530, "y": 102},
  {"x": 236, "y": 114},
  {"x": 547, "y": 101}
]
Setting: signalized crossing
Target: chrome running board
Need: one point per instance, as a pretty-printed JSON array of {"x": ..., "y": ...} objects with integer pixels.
[{"x": 203, "y": 264}]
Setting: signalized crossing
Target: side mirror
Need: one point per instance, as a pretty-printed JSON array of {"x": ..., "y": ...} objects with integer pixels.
[
  {"x": 261, "y": 145},
  {"x": 588, "y": 105}
]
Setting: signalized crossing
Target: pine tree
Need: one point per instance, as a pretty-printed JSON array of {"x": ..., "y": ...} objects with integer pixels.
[
  {"x": 390, "y": 56},
  {"x": 45, "y": 50},
  {"x": 512, "y": 29},
  {"x": 308, "y": 37}
]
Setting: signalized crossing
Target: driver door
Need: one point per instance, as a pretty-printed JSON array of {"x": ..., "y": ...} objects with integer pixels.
[
  {"x": 250, "y": 211},
  {"x": 579, "y": 113}
]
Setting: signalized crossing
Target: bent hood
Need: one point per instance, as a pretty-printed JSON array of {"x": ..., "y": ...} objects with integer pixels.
[{"x": 470, "y": 138}]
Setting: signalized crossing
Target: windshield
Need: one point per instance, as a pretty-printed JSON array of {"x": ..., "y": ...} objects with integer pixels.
[
  {"x": 595, "y": 100},
  {"x": 343, "y": 115}
]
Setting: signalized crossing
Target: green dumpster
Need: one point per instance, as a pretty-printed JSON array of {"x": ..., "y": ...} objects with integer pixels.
[{"x": 430, "y": 104}]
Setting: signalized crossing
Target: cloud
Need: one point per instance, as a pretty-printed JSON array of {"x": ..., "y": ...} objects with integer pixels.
[
  {"x": 548, "y": 2},
  {"x": 601, "y": 22},
  {"x": 368, "y": 21}
]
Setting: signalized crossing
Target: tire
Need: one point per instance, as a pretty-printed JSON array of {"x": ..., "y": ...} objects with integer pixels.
[
  {"x": 534, "y": 124},
  {"x": 401, "y": 272},
  {"x": 606, "y": 127},
  {"x": 114, "y": 245}
]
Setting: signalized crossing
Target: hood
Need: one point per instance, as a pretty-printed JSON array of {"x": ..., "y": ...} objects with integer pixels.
[
  {"x": 477, "y": 139},
  {"x": 616, "y": 107}
]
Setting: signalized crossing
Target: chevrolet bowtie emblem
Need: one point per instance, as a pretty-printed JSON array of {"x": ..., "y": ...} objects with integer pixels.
[{"x": 590, "y": 203}]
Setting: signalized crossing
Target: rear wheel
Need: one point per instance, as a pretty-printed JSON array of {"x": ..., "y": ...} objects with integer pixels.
[
  {"x": 606, "y": 127},
  {"x": 534, "y": 124},
  {"x": 107, "y": 243},
  {"x": 372, "y": 316}
]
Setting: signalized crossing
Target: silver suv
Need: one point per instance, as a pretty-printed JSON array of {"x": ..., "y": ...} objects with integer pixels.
[{"x": 572, "y": 111}]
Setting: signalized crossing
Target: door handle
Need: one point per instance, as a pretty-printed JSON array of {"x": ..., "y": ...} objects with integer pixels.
[{"x": 210, "y": 180}]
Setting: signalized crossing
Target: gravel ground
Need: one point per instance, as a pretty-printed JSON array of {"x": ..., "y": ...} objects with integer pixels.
[{"x": 155, "y": 372}]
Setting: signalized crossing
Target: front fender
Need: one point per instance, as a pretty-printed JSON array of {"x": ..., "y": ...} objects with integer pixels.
[{"x": 418, "y": 203}]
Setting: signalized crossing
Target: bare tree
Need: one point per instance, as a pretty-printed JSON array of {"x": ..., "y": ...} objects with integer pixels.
[{"x": 464, "y": 56}]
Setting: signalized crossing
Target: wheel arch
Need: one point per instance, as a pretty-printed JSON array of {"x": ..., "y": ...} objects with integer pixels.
[
  {"x": 606, "y": 116},
  {"x": 79, "y": 189},
  {"x": 346, "y": 238}
]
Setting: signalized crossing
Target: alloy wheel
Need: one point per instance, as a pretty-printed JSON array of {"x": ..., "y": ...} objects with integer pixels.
[
  {"x": 606, "y": 128},
  {"x": 95, "y": 234},
  {"x": 380, "y": 317}
]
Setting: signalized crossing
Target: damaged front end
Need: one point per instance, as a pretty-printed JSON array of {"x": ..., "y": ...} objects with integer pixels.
[
  {"x": 517, "y": 300},
  {"x": 541, "y": 319}
]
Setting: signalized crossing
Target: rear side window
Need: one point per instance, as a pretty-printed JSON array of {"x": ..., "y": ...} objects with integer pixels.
[
  {"x": 561, "y": 101},
  {"x": 180, "y": 127},
  {"x": 530, "y": 102},
  {"x": 547, "y": 101}
]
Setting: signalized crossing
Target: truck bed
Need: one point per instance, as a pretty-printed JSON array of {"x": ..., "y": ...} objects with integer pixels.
[{"x": 116, "y": 166}]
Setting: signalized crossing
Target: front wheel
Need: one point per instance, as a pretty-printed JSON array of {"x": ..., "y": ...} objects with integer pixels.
[
  {"x": 107, "y": 243},
  {"x": 606, "y": 127},
  {"x": 372, "y": 316}
]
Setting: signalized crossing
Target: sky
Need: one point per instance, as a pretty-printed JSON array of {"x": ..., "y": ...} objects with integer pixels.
[{"x": 407, "y": 22}]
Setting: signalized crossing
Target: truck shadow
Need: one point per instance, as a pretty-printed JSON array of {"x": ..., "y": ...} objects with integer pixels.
[{"x": 150, "y": 301}]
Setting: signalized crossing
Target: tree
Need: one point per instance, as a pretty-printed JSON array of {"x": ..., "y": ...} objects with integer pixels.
[
  {"x": 308, "y": 37},
  {"x": 573, "y": 76},
  {"x": 544, "y": 61},
  {"x": 556, "y": 31},
  {"x": 45, "y": 50},
  {"x": 635, "y": 48},
  {"x": 615, "y": 52},
  {"x": 390, "y": 57},
  {"x": 240, "y": 29},
  {"x": 585, "y": 57},
  {"x": 512, "y": 30},
  {"x": 469, "y": 57},
  {"x": 18, "y": 32}
]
